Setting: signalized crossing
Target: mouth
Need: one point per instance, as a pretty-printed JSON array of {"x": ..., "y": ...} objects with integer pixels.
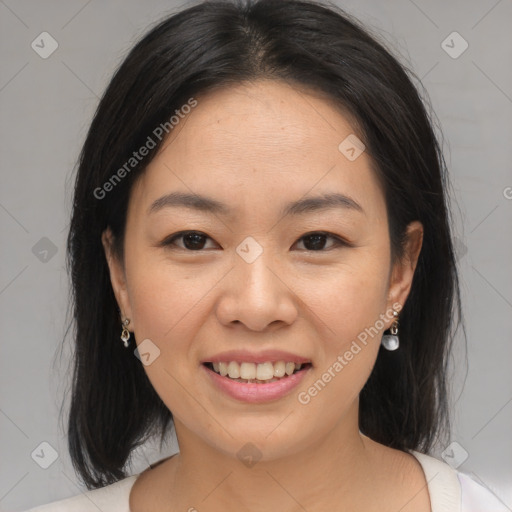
[{"x": 258, "y": 373}]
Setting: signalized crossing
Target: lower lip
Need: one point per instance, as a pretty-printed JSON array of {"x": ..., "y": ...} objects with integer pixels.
[{"x": 252, "y": 392}]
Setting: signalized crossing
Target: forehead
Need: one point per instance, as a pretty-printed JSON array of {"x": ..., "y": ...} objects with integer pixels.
[
  {"x": 264, "y": 120},
  {"x": 257, "y": 143}
]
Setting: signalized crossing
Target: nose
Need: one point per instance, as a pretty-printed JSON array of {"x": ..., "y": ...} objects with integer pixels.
[{"x": 257, "y": 296}]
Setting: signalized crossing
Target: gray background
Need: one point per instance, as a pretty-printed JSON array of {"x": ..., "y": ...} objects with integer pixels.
[{"x": 46, "y": 106}]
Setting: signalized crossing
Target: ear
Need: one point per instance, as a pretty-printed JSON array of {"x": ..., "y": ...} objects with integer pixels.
[
  {"x": 403, "y": 270},
  {"x": 117, "y": 276}
]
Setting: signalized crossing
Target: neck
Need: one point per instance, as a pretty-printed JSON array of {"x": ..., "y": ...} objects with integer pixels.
[{"x": 334, "y": 471}]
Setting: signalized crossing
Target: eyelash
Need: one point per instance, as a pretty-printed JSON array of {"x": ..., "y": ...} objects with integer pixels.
[{"x": 338, "y": 242}]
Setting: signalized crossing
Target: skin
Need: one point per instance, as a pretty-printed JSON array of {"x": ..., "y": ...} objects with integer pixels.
[{"x": 271, "y": 144}]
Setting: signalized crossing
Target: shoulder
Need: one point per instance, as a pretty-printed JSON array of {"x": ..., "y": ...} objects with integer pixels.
[
  {"x": 112, "y": 498},
  {"x": 452, "y": 490}
]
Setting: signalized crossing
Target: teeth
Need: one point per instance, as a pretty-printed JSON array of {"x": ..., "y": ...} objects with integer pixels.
[
  {"x": 223, "y": 369},
  {"x": 247, "y": 370},
  {"x": 265, "y": 371},
  {"x": 253, "y": 372},
  {"x": 279, "y": 369},
  {"x": 233, "y": 370}
]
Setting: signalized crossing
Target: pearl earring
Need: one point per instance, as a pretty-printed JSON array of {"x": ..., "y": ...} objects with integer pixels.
[{"x": 391, "y": 341}]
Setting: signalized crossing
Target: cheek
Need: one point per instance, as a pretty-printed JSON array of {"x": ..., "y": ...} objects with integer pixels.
[
  {"x": 156, "y": 307},
  {"x": 348, "y": 300},
  {"x": 164, "y": 297},
  {"x": 346, "y": 306},
  {"x": 350, "y": 343},
  {"x": 170, "y": 304},
  {"x": 165, "y": 309}
]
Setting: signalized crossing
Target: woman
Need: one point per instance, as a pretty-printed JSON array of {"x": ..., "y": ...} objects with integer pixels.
[{"x": 261, "y": 214}]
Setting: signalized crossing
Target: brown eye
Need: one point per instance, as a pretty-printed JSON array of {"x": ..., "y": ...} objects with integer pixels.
[
  {"x": 317, "y": 241},
  {"x": 191, "y": 240}
]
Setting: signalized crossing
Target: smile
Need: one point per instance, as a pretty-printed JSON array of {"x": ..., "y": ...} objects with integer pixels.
[
  {"x": 256, "y": 372},
  {"x": 256, "y": 382}
]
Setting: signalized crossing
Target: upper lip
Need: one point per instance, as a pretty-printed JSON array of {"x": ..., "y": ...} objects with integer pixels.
[{"x": 263, "y": 356}]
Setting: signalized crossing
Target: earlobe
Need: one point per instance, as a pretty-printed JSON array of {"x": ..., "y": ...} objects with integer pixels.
[{"x": 117, "y": 275}]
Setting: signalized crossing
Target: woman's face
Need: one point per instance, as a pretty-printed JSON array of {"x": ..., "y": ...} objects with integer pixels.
[{"x": 275, "y": 272}]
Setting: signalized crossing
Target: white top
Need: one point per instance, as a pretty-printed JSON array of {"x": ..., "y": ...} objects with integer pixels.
[{"x": 449, "y": 490}]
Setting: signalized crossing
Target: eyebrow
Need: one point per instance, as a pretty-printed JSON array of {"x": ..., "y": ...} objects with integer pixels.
[{"x": 210, "y": 205}]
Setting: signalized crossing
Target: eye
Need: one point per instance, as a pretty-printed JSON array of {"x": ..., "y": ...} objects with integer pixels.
[
  {"x": 192, "y": 240},
  {"x": 196, "y": 241},
  {"x": 316, "y": 241}
]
